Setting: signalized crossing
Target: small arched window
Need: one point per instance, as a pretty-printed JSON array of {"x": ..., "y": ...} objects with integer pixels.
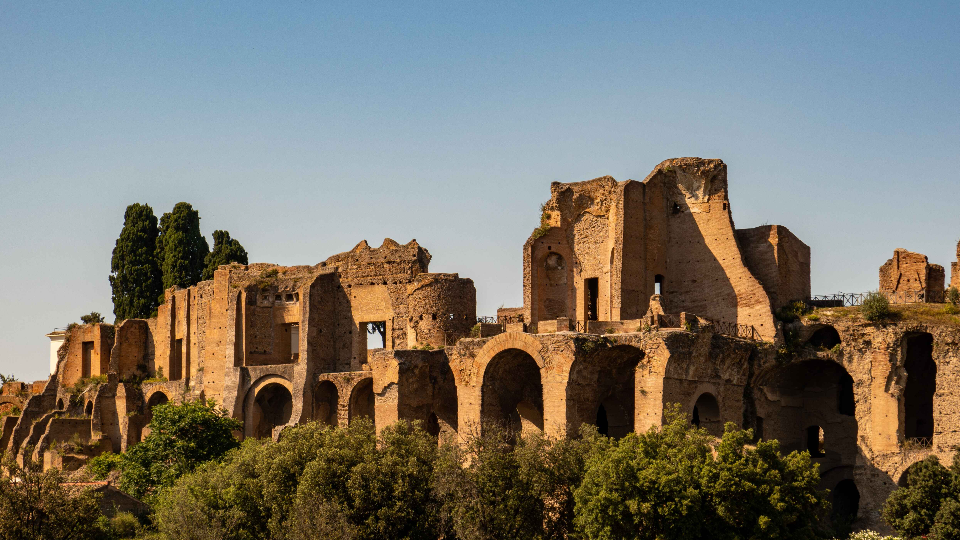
[{"x": 658, "y": 284}]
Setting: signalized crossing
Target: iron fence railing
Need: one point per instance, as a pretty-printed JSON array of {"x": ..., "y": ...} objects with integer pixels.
[
  {"x": 856, "y": 299},
  {"x": 745, "y": 331}
]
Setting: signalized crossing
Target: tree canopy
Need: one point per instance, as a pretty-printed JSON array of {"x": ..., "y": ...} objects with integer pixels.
[
  {"x": 928, "y": 504},
  {"x": 134, "y": 272},
  {"x": 35, "y": 505},
  {"x": 182, "y": 436},
  {"x": 226, "y": 250},
  {"x": 181, "y": 248}
]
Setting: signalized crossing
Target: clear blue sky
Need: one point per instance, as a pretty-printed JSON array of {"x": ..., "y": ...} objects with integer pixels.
[{"x": 303, "y": 128}]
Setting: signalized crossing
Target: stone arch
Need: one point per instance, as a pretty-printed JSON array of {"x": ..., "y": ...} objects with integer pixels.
[
  {"x": 807, "y": 395},
  {"x": 706, "y": 414},
  {"x": 268, "y": 406},
  {"x": 325, "y": 403},
  {"x": 601, "y": 390},
  {"x": 825, "y": 337},
  {"x": 846, "y": 501},
  {"x": 502, "y": 342},
  {"x": 88, "y": 410},
  {"x": 511, "y": 394},
  {"x": 60, "y": 404},
  {"x": 362, "y": 400}
]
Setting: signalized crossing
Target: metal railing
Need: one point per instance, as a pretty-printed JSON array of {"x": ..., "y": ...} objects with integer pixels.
[
  {"x": 744, "y": 331},
  {"x": 856, "y": 299}
]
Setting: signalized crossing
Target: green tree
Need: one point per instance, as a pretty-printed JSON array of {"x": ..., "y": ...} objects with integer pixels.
[
  {"x": 35, "y": 505},
  {"x": 912, "y": 510},
  {"x": 667, "y": 483},
  {"x": 181, "y": 249},
  {"x": 92, "y": 318},
  {"x": 181, "y": 438},
  {"x": 502, "y": 486},
  {"x": 220, "y": 499},
  {"x": 226, "y": 250},
  {"x": 135, "y": 276}
]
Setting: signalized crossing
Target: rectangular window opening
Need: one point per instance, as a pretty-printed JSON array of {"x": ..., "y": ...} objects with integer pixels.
[
  {"x": 592, "y": 290},
  {"x": 86, "y": 360}
]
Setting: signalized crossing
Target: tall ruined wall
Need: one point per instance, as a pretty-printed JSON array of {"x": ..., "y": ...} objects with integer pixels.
[
  {"x": 908, "y": 273},
  {"x": 87, "y": 352},
  {"x": 779, "y": 260},
  {"x": 706, "y": 273}
]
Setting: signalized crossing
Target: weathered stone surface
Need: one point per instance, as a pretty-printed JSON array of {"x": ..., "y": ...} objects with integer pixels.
[
  {"x": 910, "y": 276},
  {"x": 632, "y": 296}
]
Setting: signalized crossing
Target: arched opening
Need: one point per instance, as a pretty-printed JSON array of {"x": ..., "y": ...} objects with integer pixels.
[
  {"x": 658, "y": 284},
  {"x": 846, "y": 401},
  {"x": 158, "y": 398},
  {"x": 825, "y": 338},
  {"x": 706, "y": 414},
  {"x": 512, "y": 394},
  {"x": 920, "y": 388},
  {"x": 846, "y": 502},
  {"x": 815, "y": 443},
  {"x": 325, "y": 403},
  {"x": 272, "y": 408},
  {"x": 362, "y": 401},
  {"x": 810, "y": 400},
  {"x": 60, "y": 404},
  {"x": 89, "y": 410},
  {"x": 600, "y": 390},
  {"x": 432, "y": 425},
  {"x": 904, "y": 480}
]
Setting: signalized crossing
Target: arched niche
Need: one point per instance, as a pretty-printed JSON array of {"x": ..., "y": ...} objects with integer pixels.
[
  {"x": 268, "y": 406},
  {"x": 362, "y": 401},
  {"x": 601, "y": 390},
  {"x": 512, "y": 393},
  {"x": 706, "y": 414},
  {"x": 325, "y": 403}
]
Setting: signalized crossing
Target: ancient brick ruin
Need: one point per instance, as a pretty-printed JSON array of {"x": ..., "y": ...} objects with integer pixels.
[
  {"x": 910, "y": 277},
  {"x": 636, "y": 295}
]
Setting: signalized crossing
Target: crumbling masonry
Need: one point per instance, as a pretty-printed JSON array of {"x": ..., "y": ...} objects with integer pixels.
[{"x": 636, "y": 295}]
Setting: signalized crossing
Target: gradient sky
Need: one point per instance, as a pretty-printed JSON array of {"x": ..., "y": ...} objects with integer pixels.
[{"x": 303, "y": 128}]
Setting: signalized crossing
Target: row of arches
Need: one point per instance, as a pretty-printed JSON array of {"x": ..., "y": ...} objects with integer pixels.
[{"x": 270, "y": 405}]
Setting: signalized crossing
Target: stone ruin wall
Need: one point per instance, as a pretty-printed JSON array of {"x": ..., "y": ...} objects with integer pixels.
[
  {"x": 229, "y": 339},
  {"x": 908, "y": 274},
  {"x": 677, "y": 226},
  {"x": 955, "y": 270}
]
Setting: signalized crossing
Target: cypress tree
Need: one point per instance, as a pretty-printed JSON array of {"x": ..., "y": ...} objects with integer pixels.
[
  {"x": 226, "y": 250},
  {"x": 181, "y": 249},
  {"x": 134, "y": 273}
]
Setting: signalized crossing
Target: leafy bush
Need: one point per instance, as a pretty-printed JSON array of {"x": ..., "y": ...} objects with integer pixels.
[
  {"x": 101, "y": 466},
  {"x": 953, "y": 296},
  {"x": 92, "y": 318},
  {"x": 792, "y": 311},
  {"x": 667, "y": 483},
  {"x": 875, "y": 307},
  {"x": 928, "y": 503},
  {"x": 181, "y": 438},
  {"x": 35, "y": 505},
  {"x": 498, "y": 486}
]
